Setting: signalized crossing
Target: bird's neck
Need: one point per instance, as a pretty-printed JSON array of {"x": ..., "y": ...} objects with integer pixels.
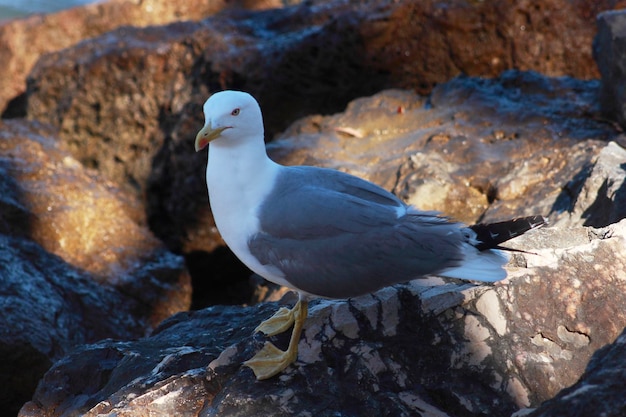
[
  {"x": 238, "y": 160},
  {"x": 239, "y": 173}
]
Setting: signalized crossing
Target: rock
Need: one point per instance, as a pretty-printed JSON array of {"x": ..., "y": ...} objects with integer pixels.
[
  {"x": 600, "y": 390},
  {"x": 76, "y": 264},
  {"x": 475, "y": 149},
  {"x": 601, "y": 199},
  {"x": 414, "y": 349},
  {"x": 609, "y": 51},
  {"x": 27, "y": 39},
  {"x": 97, "y": 92}
]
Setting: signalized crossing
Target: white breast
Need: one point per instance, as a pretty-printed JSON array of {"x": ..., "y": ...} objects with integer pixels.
[{"x": 236, "y": 191}]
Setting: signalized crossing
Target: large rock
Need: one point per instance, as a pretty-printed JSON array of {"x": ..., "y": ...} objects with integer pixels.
[
  {"x": 26, "y": 40},
  {"x": 448, "y": 349},
  {"x": 76, "y": 264},
  {"x": 475, "y": 149},
  {"x": 113, "y": 94}
]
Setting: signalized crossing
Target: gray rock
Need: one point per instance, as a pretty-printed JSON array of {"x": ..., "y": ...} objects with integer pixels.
[
  {"x": 609, "y": 51},
  {"x": 601, "y": 198},
  {"x": 430, "y": 348},
  {"x": 476, "y": 149}
]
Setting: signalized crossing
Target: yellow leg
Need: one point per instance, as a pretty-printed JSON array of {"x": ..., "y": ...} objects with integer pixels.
[{"x": 270, "y": 360}]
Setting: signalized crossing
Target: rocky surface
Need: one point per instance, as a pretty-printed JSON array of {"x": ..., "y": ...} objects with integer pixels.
[
  {"x": 369, "y": 88},
  {"x": 430, "y": 350},
  {"x": 599, "y": 391},
  {"x": 76, "y": 264},
  {"x": 608, "y": 48},
  {"x": 26, "y": 40},
  {"x": 475, "y": 149},
  {"x": 329, "y": 52}
]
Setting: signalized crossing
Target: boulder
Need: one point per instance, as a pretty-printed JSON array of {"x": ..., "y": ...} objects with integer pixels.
[
  {"x": 434, "y": 348},
  {"x": 77, "y": 266},
  {"x": 609, "y": 50},
  {"x": 475, "y": 149},
  {"x": 26, "y": 40},
  {"x": 133, "y": 86}
]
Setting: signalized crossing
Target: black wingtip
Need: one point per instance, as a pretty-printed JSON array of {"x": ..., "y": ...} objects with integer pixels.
[{"x": 491, "y": 235}]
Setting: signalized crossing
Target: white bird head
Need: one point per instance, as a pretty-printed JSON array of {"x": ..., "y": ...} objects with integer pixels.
[{"x": 230, "y": 116}]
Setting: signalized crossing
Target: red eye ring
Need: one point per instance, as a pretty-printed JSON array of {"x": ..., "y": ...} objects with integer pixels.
[{"x": 235, "y": 112}]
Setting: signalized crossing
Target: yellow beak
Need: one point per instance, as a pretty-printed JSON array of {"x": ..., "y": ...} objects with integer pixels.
[{"x": 206, "y": 135}]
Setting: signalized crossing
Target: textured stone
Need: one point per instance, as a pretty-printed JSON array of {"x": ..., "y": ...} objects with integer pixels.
[
  {"x": 380, "y": 354},
  {"x": 26, "y": 40},
  {"x": 600, "y": 390},
  {"x": 494, "y": 149},
  {"x": 76, "y": 264},
  {"x": 609, "y": 50},
  {"x": 602, "y": 197}
]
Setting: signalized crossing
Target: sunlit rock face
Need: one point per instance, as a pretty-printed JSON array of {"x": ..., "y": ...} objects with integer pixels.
[{"x": 78, "y": 265}]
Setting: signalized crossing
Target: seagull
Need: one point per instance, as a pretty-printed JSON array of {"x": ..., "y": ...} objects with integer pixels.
[{"x": 325, "y": 233}]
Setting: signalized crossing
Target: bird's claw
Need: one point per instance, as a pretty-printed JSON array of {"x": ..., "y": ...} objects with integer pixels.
[{"x": 271, "y": 361}]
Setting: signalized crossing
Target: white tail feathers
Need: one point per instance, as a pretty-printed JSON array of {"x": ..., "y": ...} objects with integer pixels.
[{"x": 486, "y": 266}]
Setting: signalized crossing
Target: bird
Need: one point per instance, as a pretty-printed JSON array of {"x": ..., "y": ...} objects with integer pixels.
[{"x": 325, "y": 233}]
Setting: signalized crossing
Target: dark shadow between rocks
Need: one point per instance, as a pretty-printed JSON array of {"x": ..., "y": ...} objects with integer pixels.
[
  {"x": 16, "y": 107},
  {"x": 597, "y": 214},
  {"x": 21, "y": 364},
  {"x": 218, "y": 278}
]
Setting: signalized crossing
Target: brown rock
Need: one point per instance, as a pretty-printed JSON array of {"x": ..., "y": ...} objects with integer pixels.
[
  {"x": 26, "y": 40},
  {"x": 600, "y": 391},
  {"x": 430, "y": 42},
  {"x": 76, "y": 264},
  {"x": 478, "y": 150},
  {"x": 119, "y": 90}
]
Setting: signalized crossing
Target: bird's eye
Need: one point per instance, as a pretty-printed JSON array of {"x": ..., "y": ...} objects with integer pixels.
[{"x": 235, "y": 112}]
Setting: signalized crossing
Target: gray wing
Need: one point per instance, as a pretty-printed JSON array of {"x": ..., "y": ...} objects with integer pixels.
[{"x": 336, "y": 235}]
